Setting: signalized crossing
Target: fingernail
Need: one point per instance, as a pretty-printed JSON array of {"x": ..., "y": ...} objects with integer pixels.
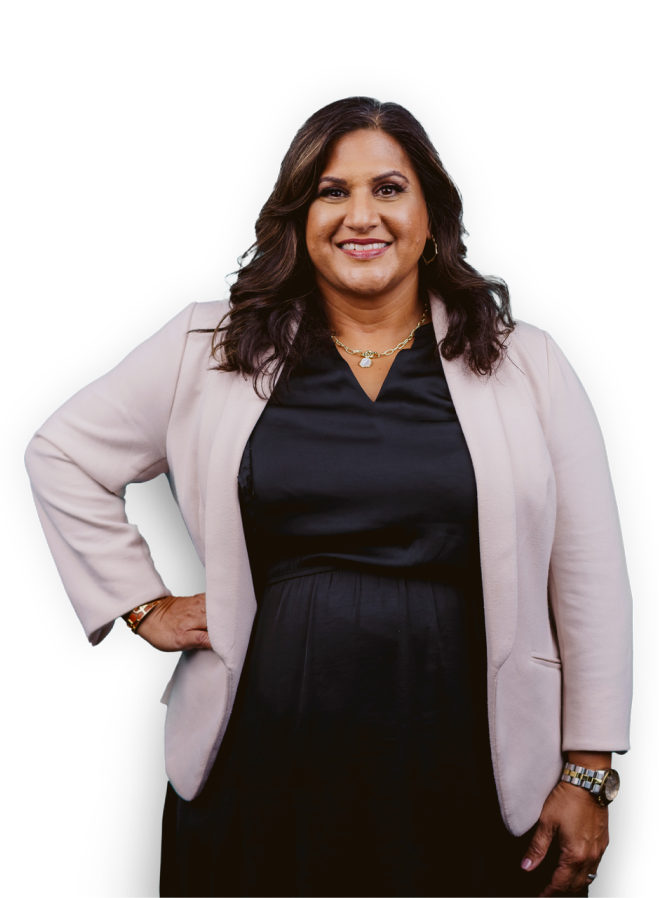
[{"x": 527, "y": 863}]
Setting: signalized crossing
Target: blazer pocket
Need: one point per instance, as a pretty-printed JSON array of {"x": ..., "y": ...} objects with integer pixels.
[{"x": 554, "y": 663}]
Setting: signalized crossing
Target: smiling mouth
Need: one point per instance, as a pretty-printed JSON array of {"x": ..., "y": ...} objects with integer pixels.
[{"x": 363, "y": 249}]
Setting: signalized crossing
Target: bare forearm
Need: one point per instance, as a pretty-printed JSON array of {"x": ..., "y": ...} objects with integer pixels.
[{"x": 593, "y": 760}]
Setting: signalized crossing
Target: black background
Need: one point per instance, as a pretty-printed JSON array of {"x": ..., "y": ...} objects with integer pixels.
[{"x": 142, "y": 194}]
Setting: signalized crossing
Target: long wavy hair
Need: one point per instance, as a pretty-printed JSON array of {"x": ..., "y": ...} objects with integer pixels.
[{"x": 276, "y": 289}]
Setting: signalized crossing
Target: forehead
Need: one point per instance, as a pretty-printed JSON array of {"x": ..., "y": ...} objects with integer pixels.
[{"x": 367, "y": 154}]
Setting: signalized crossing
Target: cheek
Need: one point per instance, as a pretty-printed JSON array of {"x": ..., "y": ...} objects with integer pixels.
[
  {"x": 315, "y": 229},
  {"x": 414, "y": 230},
  {"x": 318, "y": 232}
]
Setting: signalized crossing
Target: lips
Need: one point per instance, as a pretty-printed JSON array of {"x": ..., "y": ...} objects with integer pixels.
[
  {"x": 363, "y": 249},
  {"x": 363, "y": 242}
]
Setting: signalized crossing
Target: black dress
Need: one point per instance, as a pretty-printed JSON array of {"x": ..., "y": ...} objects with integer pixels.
[{"x": 356, "y": 761}]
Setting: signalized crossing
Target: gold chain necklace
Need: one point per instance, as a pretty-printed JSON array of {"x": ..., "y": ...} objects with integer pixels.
[{"x": 369, "y": 354}]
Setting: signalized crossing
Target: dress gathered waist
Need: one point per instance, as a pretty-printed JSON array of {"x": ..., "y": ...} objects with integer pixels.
[{"x": 292, "y": 569}]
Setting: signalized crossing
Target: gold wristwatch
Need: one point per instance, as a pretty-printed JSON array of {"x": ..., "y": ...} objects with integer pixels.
[{"x": 603, "y": 785}]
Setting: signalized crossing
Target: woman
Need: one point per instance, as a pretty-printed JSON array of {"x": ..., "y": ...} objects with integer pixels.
[{"x": 417, "y": 610}]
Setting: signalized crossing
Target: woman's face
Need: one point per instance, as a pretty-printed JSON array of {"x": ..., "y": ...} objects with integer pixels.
[{"x": 368, "y": 225}]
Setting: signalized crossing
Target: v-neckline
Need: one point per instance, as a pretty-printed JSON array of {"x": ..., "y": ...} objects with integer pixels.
[{"x": 372, "y": 402}]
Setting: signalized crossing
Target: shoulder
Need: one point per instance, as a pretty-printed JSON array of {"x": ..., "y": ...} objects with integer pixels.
[
  {"x": 207, "y": 315},
  {"x": 528, "y": 342},
  {"x": 540, "y": 369},
  {"x": 533, "y": 352},
  {"x": 197, "y": 319}
]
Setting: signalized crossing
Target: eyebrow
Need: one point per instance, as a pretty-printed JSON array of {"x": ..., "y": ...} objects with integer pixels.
[{"x": 387, "y": 174}]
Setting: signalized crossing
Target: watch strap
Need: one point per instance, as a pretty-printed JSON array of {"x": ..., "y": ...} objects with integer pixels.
[
  {"x": 592, "y": 780},
  {"x": 135, "y": 617}
]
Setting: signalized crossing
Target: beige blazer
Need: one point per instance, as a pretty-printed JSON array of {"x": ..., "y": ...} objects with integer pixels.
[{"x": 556, "y": 592}]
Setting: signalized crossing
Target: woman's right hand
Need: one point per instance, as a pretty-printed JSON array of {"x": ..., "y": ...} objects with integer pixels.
[{"x": 177, "y": 623}]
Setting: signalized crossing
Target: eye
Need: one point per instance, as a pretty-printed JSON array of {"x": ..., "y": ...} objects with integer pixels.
[
  {"x": 332, "y": 192},
  {"x": 396, "y": 187},
  {"x": 390, "y": 189}
]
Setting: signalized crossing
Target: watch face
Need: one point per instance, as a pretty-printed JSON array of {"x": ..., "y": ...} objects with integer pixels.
[{"x": 611, "y": 785}]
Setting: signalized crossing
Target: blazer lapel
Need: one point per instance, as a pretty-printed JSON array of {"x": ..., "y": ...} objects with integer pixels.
[
  {"x": 201, "y": 692},
  {"x": 477, "y": 408},
  {"x": 230, "y": 598}
]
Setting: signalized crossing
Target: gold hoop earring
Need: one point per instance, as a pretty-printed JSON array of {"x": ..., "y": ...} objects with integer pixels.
[{"x": 428, "y": 261}]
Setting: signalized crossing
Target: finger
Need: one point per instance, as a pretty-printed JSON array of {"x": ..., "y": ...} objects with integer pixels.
[
  {"x": 567, "y": 877},
  {"x": 538, "y": 846},
  {"x": 560, "y": 881},
  {"x": 581, "y": 880},
  {"x": 203, "y": 640},
  {"x": 202, "y": 600}
]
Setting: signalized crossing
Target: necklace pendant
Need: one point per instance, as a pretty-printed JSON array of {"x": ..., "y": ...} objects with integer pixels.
[{"x": 365, "y": 362}]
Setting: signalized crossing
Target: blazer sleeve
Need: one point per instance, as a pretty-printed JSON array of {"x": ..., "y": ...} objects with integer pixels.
[
  {"x": 112, "y": 433},
  {"x": 589, "y": 587}
]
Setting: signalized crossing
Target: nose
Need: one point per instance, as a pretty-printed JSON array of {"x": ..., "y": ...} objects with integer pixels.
[{"x": 361, "y": 213}]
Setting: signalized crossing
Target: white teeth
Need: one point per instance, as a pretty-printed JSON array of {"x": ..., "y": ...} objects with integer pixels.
[{"x": 362, "y": 247}]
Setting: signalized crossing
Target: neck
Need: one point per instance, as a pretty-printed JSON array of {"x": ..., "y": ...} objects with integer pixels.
[{"x": 383, "y": 316}]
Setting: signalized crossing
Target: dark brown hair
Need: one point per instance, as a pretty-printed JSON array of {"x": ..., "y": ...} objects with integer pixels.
[{"x": 276, "y": 288}]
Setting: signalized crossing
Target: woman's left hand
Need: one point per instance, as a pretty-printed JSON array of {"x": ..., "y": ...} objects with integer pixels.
[{"x": 582, "y": 827}]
